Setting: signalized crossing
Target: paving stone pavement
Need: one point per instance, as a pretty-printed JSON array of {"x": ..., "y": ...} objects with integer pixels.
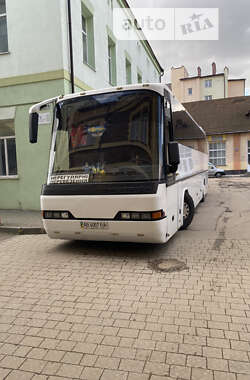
[{"x": 97, "y": 311}]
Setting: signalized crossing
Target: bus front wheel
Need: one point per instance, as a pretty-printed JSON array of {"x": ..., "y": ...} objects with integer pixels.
[{"x": 188, "y": 211}]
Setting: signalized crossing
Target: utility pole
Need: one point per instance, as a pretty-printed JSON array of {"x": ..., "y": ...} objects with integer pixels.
[{"x": 71, "y": 49}]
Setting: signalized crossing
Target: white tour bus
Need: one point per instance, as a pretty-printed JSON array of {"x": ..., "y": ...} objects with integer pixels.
[{"x": 126, "y": 164}]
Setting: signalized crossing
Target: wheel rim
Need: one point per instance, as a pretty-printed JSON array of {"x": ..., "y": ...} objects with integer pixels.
[{"x": 186, "y": 210}]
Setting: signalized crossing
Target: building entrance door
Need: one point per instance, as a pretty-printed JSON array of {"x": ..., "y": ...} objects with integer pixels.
[{"x": 248, "y": 156}]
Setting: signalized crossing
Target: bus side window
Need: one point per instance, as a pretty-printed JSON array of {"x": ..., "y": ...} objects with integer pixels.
[{"x": 187, "y": 131}]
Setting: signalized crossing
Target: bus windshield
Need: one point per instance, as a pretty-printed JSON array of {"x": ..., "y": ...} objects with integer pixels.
[{"x": 109, "y": 137}]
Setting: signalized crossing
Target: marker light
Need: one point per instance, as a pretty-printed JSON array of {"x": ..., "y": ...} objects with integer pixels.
[{"x": 158, "y": 215}]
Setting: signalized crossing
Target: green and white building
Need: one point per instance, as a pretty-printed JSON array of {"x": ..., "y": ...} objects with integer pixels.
[{"x": 35, "y": 65}]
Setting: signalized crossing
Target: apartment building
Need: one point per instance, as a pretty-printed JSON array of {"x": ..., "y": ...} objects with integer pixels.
[
  {"x": 35, "y": 65},
  {"x": 205, "y": 87}
]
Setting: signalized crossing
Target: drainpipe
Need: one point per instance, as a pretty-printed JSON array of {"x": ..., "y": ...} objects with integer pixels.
[
  {"x": 71, "y": 49},
  {"x": 161, "y": 75}
]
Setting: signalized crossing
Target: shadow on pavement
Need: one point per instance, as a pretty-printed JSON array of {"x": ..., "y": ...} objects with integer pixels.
[{"x": 112, "y": 250}]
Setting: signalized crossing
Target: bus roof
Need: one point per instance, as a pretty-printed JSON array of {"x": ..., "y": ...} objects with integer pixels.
[{"x": 157, "y": 87}]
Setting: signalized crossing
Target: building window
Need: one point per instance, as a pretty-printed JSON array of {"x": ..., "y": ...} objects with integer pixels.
[
  {"x": 128, "y": 72},
  {"x": 88, "y": 37},
  {"x": 190, "y": 91},
  {"x": 112, "y": 61},
  {"x": 84, "y": 39},
  {"x": 139, "y": 78},
  {"x": 217, "y": 153},
  {"x": 208, "y": 83},
  {"x": 208, "y": 97},
  {"x": 8, "y": 164},
  {"x": 3, "y": 28}
]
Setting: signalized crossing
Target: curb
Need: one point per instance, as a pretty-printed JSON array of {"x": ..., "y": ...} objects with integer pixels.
[{"x": 23, "y": 230}]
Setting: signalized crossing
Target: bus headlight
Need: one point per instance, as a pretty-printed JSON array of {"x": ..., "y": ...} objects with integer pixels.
[
  {"x": 57, "y": 215},
  {"x": 125, "y": 215},
  {"x": 142, "y": 216},
  {"x": 135, "y": 215},
  {"x": 65, "y": 215},
  {"x": 146, "y": 216}
]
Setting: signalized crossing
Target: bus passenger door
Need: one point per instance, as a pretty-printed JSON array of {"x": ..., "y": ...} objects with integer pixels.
[
  {"x": 172, "y": 210},
  {"x": 171, "y": 189}
]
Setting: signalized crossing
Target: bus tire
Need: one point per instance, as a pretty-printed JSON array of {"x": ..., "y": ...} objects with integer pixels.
[
  {"x": 218, "y": 175},
  {"x": 203, "y": 198},
  {"x": 188, "y": 211}
]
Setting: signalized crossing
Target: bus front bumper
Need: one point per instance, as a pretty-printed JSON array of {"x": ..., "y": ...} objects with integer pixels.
[{"x": 124, "y": 231}]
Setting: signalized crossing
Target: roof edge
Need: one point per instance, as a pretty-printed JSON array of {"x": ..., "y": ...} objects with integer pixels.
[
  {"x": 203, "y": 76},
  {"x": 241, "y": 98},
  {"x": 236, "y": 79}
]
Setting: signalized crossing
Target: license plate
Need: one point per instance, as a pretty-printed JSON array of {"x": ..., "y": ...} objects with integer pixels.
[{"x": 94, "y": 225}]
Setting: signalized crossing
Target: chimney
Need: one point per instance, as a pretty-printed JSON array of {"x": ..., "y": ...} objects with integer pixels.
[
  {"x": 226, "y": 70},
  {"x": 214, "y": 68},
  {"x": 199, "y": 71}
]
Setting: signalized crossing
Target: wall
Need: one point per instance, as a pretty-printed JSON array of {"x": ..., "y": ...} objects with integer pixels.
[
  {"x": 190, "y": 83},
  {"x": 236, "y": 151},
  {"x": 30, "y": 72},
  {"x": 245, "y": 137},
  {"x": 176, "y": 75},
  {"x": 217, "y": 89},
  {"x": 32, "y": 160},
  {"x": 98, "y": 76},
  {"x": 38, "y": 42},
  {"x": 34, "y": 39},
  {"x": 236, "y": 88},
  {"x": 229, "y": 152}
]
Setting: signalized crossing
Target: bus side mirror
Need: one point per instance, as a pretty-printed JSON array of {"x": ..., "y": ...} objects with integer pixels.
[
  {"x": 173, "y": 155},
  {"x": 33, "y": 127}
]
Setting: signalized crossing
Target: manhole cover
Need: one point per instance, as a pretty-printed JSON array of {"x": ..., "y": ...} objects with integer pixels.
[{"x": 168, "y": 265}]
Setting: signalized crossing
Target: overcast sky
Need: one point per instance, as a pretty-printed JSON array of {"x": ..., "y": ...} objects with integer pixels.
[{"x": 232, "y": 49}]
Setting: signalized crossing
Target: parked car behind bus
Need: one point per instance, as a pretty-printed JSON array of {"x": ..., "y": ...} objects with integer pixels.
[{"x": 213, "y": 171}]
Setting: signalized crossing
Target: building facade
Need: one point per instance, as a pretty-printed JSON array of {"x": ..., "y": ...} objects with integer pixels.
[
  {"x": 227, "y": 125},
  {"x": 205, "y": 87},
  {"x": 35, "y": 65}
]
